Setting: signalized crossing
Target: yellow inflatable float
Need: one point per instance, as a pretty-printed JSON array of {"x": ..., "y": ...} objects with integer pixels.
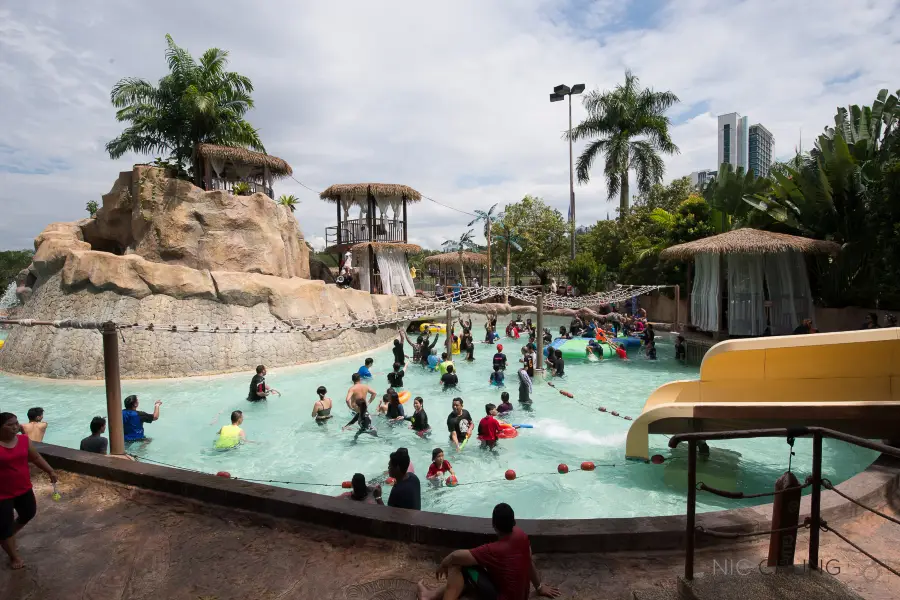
[{"x": 433, "y": 327}]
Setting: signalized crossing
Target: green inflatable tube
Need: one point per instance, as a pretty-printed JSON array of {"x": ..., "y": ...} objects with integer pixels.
[{"x": 577, "y": 348}]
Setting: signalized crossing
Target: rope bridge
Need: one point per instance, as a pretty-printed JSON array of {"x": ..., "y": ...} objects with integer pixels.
[{"x": 418, "y": 308}]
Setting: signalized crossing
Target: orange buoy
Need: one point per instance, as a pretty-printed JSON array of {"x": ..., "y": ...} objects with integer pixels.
[
  {"x": 657, "y": 459},
  {"x": 223, "y": 474},
  {"x": 602, "y": 409},
  {"x": 563, "y": 468},
  {"x": 587, "y": 466},
  {"x": 566, "y": 394},
  {"x": 390, "y": 481},
  {"x": 452, "y": 481},
  {"x": 346, "y": 485},
  {"x": 510, "y": 474}
]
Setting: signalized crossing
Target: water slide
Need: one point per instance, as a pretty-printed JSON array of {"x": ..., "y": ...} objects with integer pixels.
[{"x": 848, "y": 381}]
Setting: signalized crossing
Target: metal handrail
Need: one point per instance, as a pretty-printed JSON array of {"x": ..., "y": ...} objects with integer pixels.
[{"x": 815, "y": 519}]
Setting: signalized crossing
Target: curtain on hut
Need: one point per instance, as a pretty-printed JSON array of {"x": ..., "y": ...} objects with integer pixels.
[
  {"x": 746, "y": 315},
  {"x": 789, "y": 291},
  {"x": 395, "y": 277},
  {"x": 705, "y": 295},
  {"x": 363, "y": 269}
]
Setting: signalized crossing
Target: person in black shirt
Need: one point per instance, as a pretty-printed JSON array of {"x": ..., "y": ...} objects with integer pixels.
[
  {"x": 258, "y": 388},
  {"x": 499, "y": 357},
  {"x": 469, "y": 346},
  {"x": 394, "y": 408},
  {"x": 459, "y": 423},
  {"x": 407, "y": 491},
  {"x": 395, "y": 379},
  {"x": 559, "y": 365},
  {"x": 680, "y": 350},
  {"x": 449, "y": 379},
  {"x": 399, "y": 357},
  {"x": 96, "y": 442},
  {"x": 365, "y": 422},
  {"x": 649, "y": 334},
  {"x": 651, "y": 350},
  {"x": 548, "y": 337},
  {"x": 427, "y": 348},
  {"x": 419, "y": 419}
]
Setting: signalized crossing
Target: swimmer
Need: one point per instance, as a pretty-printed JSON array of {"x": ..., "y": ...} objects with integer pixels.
[
  {"x": 365, "y": 371},
  {"x": 427, "y": 350},
  {"x": 559, "y": 365},
  {"x": 418, "y": 422},
  {"x": 35, "y": 428},
  {"x": 433, "y": 361},
  {"x": 438, "y": 466},
  {"x": 594, "y": 348},
  {"x": 395, "y": 378},
  {"x": 651, "y": 349},
  {"x": 681, "y": 348},
  {"x": 449, "y": 379},
  {"x": 525, "y": 386},
  {"x": 499, "y": 357},
  {"x": 258, "y": 388},
  {"x": 497, "y": 376},
  {"x": 394, "y": 410},
  {"x": 365, "y": 422},
  {"x": 445, "y": 362},
  {"x": 505, "y": 405},
  {"x": 357, "y": 392},
  {"x": 459, "y": 423},
  {"x": 322, "y": 407},
  {"x": 232, "y": 435},
  {"x": 469, "y": 346},
  {"x": 399, "y": 356},
  {"x": 489, "y": 428}
]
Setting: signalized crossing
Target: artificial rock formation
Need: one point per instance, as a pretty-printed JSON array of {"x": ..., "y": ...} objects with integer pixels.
[{"x": 162, "y": 251}]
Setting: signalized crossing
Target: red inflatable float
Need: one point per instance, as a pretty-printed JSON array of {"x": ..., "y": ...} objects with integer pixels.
[
  {"x": 510, "y": 474},
  {"x": 507, "y": 431}
]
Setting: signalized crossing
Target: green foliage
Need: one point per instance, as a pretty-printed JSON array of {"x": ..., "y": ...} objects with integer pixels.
[
  {"x": 628, "y": 125},
  {"x": 583, "y": 273},
  {"x": 241, "y": 188},
  {"x": 289, "y": 200},
  {"x": 11, "y": 262},
  {"x": 92, "y": 207},
  {"x": 196, "y": 102},
  {"x": 538, "y": 231}
]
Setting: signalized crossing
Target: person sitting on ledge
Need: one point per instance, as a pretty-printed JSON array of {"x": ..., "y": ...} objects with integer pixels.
[
  {"x": 133, "y": 419},
  {"x": 500, "y": 570},
  {"x": 96, "y": 442}
]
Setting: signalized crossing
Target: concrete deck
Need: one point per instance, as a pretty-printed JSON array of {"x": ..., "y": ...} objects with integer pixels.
[{"x": 105, "y": 540}]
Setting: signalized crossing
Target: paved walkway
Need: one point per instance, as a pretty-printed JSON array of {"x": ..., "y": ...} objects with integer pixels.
[{"x": 105, "y": 541}]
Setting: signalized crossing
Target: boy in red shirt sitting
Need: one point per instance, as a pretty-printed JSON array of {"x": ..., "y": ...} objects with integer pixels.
[
  {"x": 489, "y": 427},
  {"x": 500, "y": 570},
  {"x": 439, "y": 466}
]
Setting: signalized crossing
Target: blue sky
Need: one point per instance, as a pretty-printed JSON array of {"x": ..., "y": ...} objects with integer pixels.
[{"x": 450, "y": 98}]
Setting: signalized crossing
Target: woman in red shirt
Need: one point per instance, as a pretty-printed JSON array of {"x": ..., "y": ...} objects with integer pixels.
[{"x": 15, "y": 484}]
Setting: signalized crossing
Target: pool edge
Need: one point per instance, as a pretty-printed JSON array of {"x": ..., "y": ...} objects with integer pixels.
[{"x": 873, "y": 487}]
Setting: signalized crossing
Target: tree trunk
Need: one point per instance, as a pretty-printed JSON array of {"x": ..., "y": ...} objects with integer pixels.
[
  {"x": 488, "y": 282},
  {"x": 623, "y": 196},
  {"x": 506, "y": 292},
  {"x": 462, "y": 271}
]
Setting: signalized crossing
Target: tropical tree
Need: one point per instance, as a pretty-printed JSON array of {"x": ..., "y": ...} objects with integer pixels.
[
  {"x": 541, "y": 230},
  {"x": 289, "y": 200},
  {"x": 92, "y": 207},
  {"x": 628, "y": 125},
  {"x": 196, "y": 102},
  {"x": 465, "y": 243},
  {"x": 506, "y": 232},
  {"x": 11, "y": 262},
  {"x": 725, "y": 195},
  {"x": 488, "y": 218}
]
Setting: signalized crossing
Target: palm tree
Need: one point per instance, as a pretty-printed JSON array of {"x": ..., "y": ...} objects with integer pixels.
[
  {"x": 459, "y": 246},
  {"x": 488, "y": 217},
  {"x": 510, "y": 238},
  {"x": 291, "y": 201},
  {"x": 725, "y": 195},
  {"x": 628, "y": 125},
  {"x": 197, "y": 102}
]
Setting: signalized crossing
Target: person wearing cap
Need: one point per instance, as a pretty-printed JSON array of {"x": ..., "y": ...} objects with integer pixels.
[
  {"x": 501, "y": 569},
  {"x": 499, "y": 357}
]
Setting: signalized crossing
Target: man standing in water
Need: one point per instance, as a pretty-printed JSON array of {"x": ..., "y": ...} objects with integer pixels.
[
  {"x": 358, "y": 392},
  {"x": 35, "y": 428},
  {"x": 258, "y": 388},
  {"x": 459, "y": 423}
]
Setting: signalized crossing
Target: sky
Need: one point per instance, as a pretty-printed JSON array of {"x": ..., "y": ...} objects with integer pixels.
[{"x": 451, "y": 98}]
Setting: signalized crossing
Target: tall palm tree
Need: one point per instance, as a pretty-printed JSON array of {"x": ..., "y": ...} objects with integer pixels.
[
  {"x": 488, "y": 217},
  {"x": 291, "y": 201},
  {"x": 464, "y": 243},
  {"x": 197, "y": 102},
  {"x": 629, "y": 126},
  {"x": 508, "y": 236}
]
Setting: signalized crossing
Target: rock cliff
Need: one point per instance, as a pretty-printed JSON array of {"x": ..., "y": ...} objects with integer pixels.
[{"x": 162, "y": 251}]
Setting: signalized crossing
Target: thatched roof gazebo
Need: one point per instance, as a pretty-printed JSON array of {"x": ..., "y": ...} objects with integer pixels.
[
  {"x": 449, "y": 263},
  {"x": 754, "y": 270},
  {"x": 224, "y": 166}
]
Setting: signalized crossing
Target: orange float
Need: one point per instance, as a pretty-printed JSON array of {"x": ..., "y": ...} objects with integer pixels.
[
  {"x": 587, "y": 466},
  {"x": 507, "y": 431},
  {"x": 404, "y": 396},
  {"x": 346, "y": 485}
]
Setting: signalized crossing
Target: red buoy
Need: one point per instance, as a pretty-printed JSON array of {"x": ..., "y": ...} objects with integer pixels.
[
  {"x": 657, "y": 459},
  {"x": 562, "y": 468},
  {"x": 390, "y": 481},
  {"x": 587, "y": 466},
  {"x": 223, "y": 474},
  {"x": 602, "y": 409},
  {"x": 614, "y": 413},
  {"x": 346, "y": 485},
  {"x": 452, "y": 481},
  {"x": 627, "y": 418},
  {"x": 510, "y": 474},
  {"x": 566, "y": 394}
]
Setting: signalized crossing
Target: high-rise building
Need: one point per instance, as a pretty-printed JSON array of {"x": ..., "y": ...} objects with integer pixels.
[
  {"x": 761, "y": 149},
  {"x": 699, "y": 179},
  {"x": 733, "y": 140}
]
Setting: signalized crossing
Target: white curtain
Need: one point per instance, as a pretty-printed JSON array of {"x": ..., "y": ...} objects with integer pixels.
[
  {"x": 346, "y": 203},
  {"x": 789, "y": 291},
  {"x": 218, "y": 165},
  {"x": 396, "y": 203},
  {"x": 746, "y": 314},
  {"x": 362, "y": 259},
  {"x": 705, "y": 295},
  {"x": 395, "y": 277},
  {"x": 243, "y": 171}
]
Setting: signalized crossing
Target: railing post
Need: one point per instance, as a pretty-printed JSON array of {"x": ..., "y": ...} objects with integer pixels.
[
  {"x": 113, "y": 389},
  {"x": 539, "y": 338},
  {"x": 677, "y": 307},
  {"x": 449, "y": 341},
  {"x": 691, "y": 512},
  {"x": 815, "y": 507}
]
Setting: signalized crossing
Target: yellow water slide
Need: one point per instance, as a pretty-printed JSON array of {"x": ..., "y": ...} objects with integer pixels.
[{"x": 848, "y": 381}]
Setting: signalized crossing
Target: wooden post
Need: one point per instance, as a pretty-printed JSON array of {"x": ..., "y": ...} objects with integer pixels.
[
  {"x": 449, "y": 341},
  {"x": 691, "y": 511},
  {"x": 539, "y": 338},
  {"x": 677, "y": 307},
  {"x": 405, "y": 239},
  {"x": 113, "y": 389},
  {"x": 339, "y": 224},
  {"x": 689, "y": 290}
]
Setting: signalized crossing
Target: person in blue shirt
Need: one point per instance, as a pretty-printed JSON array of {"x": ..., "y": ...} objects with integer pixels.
[
  {"x": 133, "y": 419},
  {"x": 364, "y": 371},
  {"x": 457, "y": 291},
  {"x": 497, "y": 376},
  {"x": 433, "y": 360}
]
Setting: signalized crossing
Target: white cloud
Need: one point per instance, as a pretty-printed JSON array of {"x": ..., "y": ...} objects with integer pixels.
[{"x": 449, "y": 98}]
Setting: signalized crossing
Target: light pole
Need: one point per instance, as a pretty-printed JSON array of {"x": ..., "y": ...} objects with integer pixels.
[{"x": 560, "y": 92}]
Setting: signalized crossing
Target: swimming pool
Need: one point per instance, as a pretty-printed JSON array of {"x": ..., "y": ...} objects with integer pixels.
[{"x": 292, "y": 448}]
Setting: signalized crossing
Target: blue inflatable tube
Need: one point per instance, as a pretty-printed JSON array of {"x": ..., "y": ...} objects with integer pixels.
[
  {"x": 524, "y": 426},
  {"x": 629, "y": 342}
]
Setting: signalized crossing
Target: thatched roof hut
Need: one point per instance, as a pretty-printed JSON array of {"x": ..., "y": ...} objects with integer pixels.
[
  {"x": 750, "y": 241},
  {"x": 233, "y": 157},
  {"x": 469, "y": 259},
  {"x": 362, "y": 190},
  {"x": 376, "y": 246}
]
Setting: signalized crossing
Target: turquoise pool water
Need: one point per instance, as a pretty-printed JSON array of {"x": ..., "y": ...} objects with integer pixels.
[{"x": 292, "y": 448}]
